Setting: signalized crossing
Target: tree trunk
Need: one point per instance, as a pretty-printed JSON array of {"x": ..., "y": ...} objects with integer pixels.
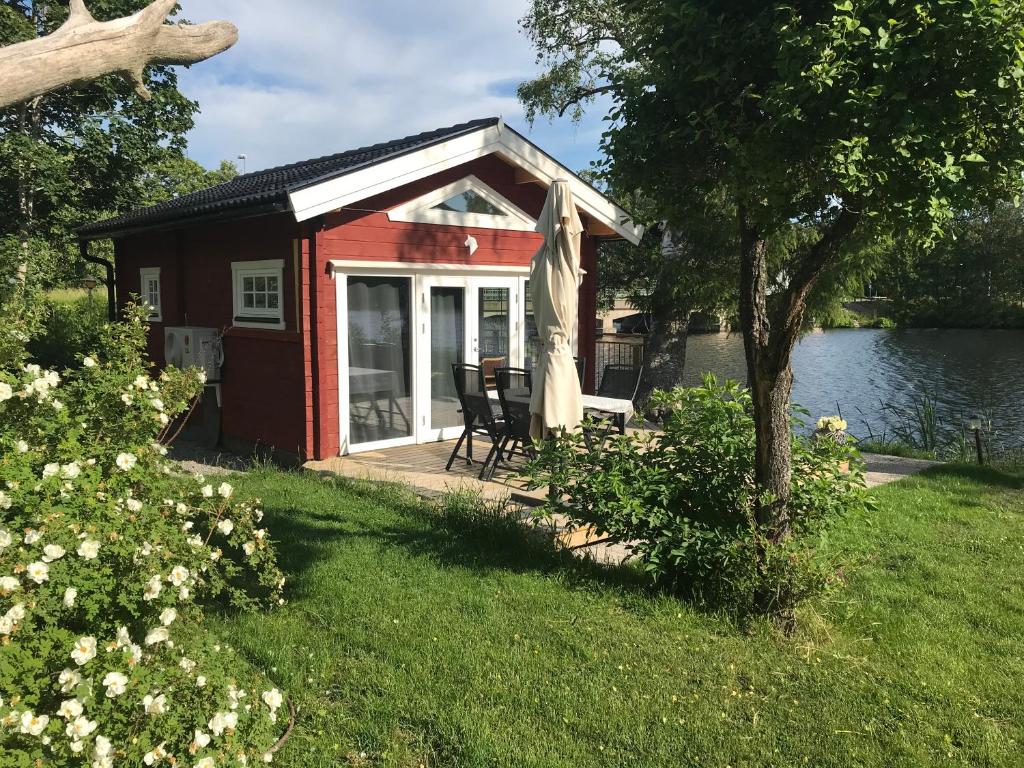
[
  {"x": 665, "y": 354},
  {"x": 771, "y": 382}
]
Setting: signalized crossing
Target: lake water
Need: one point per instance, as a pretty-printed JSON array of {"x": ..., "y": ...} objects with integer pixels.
[{"x": 856, "y": 371}]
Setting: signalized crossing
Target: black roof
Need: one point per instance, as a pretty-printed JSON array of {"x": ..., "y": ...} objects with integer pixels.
[{"x": 268, "y": 190}]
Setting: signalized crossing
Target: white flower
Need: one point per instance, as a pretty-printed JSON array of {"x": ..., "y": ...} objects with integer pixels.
[
  {"x": 201, "y": 375},
  {"x": 69, "y": 680},
  {"x": 5, "y": 502},
  {"x": 103, "y": 746},
  {"x": 32, "y": 536},
  {"x": 33, "y": 724},
  {"x": 201, "y": 740},
  {"x": 57, "y": 405},
  {"x": 51, "y": 469},
  {"x": 157, "y": 635},
  {"x": 126, "y": 399},
  {"x": 70, "y": 709},
  {"x": 69, "y": 596},
  {"x": 85, "y": 650},
  {"x": 141, "y": 382},
  {"x": 80, "y": 727},
  {"x": 206, "y": 762},
  {"x": 71, "y": 470},
  {"x": 178, "y": 576},
  {"x": 154, "y": 756},
  {"x": 125, "y": 461},
  {"x": 200, "y": 681},
  {"x": 183, "y": 594},
  {"x": 9, "y": 583},
  {"x": 249, "y": 547},
  {"x": 22, "y": 446},
  {"x": 207, "y": 491},
  {"x": 225, "y": 526},
  {"x": 116, "y": 684},
  {"x": 89, "y": 549},
  {"x": 167, "y": 616},
  {"x": 6, "y": 393},
  {"x": 164, "y": 419},
  {"x": 134, "y": 505},
  {"x": 187, "y": 664},
  {"x": 38, "y": 572},
  {"x": 5, "y": 538},
  {"x": 223, "y": 721},
  {"x": 273, "y": 699},
  {"x": 88, "y": 362},
  {"x": 225, "y": 490},
  {"x": 53, "y": 552},
  {"x": 181, "y": 508},
  {"x": 157, "y": 403},
  {"x": 154, "y": 705},
  {"x": 152, "y": 590}
]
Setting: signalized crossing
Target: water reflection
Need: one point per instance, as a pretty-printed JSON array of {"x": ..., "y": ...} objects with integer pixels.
[{"x": 856, "y": 371}]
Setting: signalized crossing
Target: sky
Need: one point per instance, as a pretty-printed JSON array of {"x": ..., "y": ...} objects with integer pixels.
[{"x": 314, "y": 77}]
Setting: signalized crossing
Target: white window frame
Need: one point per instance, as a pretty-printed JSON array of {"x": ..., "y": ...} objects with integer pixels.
[
  {"x": 243, "y": 317},
  {"x": 146, "y": 274},
  {"x": 422, "y": 210}
]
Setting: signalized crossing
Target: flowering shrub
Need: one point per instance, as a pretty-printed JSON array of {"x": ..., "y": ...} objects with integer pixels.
[
  {"x": 683, "y": 500},
  {"x": 107, "y": 557}
]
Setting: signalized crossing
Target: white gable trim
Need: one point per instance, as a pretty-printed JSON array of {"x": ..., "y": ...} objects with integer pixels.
[
  {"x": 336, "y": 193},
  {"x": 422, "y": 209}
]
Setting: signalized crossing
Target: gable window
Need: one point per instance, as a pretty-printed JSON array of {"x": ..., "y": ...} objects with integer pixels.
[
  {"x": 258, "y": 293},
  {"x": 465, "y": 203},
  {"x": 470, "y": 201},
  {"x": 149, "y": 292}
]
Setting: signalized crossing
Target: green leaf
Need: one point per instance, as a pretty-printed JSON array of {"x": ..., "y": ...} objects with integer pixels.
[{"x": 974, "y": 157}]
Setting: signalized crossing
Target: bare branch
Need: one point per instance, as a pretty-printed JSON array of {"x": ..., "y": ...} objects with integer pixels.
[
  {"x": 581, "y": 94},
  {"x": 84, "y": 49}
]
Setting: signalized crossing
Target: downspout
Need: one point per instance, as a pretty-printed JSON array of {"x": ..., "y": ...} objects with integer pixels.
[{"x": 83, "y": 247}]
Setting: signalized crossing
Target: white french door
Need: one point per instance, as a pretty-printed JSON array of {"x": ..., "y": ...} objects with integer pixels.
[
  {"x": 400, "y": 330},
  {"x": 463, "y": 319}
]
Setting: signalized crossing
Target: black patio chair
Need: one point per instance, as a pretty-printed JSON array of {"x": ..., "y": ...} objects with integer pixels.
[
  {"x": 621, "y": 382},
  {"x": 513, "y": 379},
  {"x": 581, "y": 368},
  {"x": 477, "y": 411},
  {"x": 514, "y": 395}
]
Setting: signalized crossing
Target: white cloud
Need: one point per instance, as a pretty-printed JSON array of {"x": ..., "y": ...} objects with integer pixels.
[{"x": 314, "y": 77}]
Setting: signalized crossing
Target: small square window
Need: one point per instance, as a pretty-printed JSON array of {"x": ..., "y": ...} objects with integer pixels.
[{"x": 259, "y": 301}]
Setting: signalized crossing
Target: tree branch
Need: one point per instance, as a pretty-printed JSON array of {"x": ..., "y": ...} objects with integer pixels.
[
  {"x": 583, "y": 93},
  {"x": 84, "y": 49},
  {"x": 809, "y": 269}
]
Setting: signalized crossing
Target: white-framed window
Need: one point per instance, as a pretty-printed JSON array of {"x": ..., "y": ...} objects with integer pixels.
[
  {"x": 467, "y": 202},
  {"x": 258, "y": 293},
  {"x": 149, "y": 292}
]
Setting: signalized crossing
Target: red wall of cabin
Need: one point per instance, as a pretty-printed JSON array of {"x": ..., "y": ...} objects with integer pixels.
[
  {"x": 280, "y": 388},
  {"x": 262, "y": 389}
]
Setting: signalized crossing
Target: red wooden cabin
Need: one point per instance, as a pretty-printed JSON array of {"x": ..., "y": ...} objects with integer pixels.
[{"x": 344, "y": 287}]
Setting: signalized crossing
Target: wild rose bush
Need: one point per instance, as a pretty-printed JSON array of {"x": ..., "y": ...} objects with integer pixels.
[{"x": 107, "y": 557}]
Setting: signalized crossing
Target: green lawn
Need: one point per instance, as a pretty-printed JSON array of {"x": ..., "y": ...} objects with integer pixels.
[{"x": 416, "y": 637}]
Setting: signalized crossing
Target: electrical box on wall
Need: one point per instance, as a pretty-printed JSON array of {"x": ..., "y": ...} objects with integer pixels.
[{"x": 193, "y": 347}]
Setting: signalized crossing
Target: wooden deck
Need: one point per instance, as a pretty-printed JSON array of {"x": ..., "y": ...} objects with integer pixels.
[{"x": 422, "y": 468}]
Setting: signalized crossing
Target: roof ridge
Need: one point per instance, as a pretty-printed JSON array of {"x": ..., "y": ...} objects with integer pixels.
[{"x": 411, "y": 138}]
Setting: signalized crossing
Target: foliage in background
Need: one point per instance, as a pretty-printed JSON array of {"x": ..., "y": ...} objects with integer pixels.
[
  {"x": 973, "y": 278},
  {"x": 106, "y": 560},
  {"x": 83, "y": 152},
  {"x": 683, "y": 500},
  {"x": 69, "y": 331}
]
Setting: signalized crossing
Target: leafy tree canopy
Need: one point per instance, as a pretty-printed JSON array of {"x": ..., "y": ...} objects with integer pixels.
[{"x": 80, "y": 152}]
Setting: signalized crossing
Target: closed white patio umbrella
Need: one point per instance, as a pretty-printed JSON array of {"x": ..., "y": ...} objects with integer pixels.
[{"x": 554, "y": 280}]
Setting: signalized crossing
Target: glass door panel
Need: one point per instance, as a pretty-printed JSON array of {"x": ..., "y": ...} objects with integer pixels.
[
  {"x": 493, "y": 330},
  {"x": 447, "y": 346},
  {"x": 380, "y": 359}
]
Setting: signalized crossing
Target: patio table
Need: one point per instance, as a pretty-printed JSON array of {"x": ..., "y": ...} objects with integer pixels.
[
  {"x": 374, "y": 383},
  {"x": 621, "y": 411}
]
